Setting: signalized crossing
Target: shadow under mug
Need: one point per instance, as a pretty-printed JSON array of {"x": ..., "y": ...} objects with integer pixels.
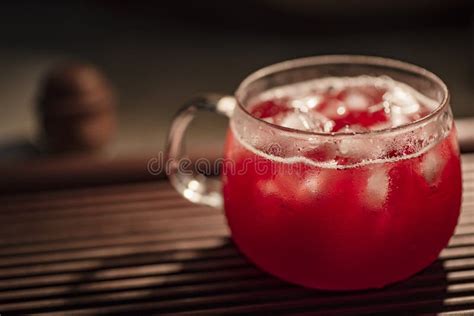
[{"x": 314, "y": 222}]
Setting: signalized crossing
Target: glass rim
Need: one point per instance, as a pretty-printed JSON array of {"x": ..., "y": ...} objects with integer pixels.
[{"x": 345, "y": 59}]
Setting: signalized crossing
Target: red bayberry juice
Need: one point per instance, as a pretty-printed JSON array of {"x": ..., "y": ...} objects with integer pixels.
[{"x": 332, "y": 219}]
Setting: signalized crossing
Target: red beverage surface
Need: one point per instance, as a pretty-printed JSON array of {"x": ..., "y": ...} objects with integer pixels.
[
  {"x": 352, "y": 228},
  {"x": 355, "y": 109}
]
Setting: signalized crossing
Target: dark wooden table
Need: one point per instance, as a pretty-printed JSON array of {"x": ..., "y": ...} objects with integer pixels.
[{"x": 140, "y": 248}]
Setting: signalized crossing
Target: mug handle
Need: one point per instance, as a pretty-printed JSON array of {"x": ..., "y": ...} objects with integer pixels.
[{"x": 195, "y": 187}]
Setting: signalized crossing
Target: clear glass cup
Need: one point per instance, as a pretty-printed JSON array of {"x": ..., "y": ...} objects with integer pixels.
[{"x": 377, "y": 219}]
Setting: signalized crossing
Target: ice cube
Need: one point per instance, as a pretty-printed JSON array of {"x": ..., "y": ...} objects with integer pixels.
[
  {"x": 401, "y": 105},
  {"x": 297, "y": 120},
  {"x": 432, "y": 165},
  {"x": 306, "y": 103},
  {"x": 376, "y": 191},
  {"x": 267, "y": 187},
  {"x": 356, "y": 101},
  {"x": 398, "y": 118},
  {"x": 328, "y": 126},
  {"x": 311, "y": 121},
  {"x": 318, "y": 150},
  {"x": 401, "y": 101},
  {"x": 360, "y": 148},
  {"x": 312, "y": 182},
  {"x": 293, "y": 186},
  {"x": 311, "y": 186},
  {"x": 333, "y": 109}
]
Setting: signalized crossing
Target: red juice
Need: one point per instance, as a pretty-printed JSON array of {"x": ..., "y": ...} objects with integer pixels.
[{"x": 334, "y": 220}]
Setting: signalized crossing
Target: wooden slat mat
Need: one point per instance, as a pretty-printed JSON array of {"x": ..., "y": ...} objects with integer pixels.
[{"x": 142, "y": 249}]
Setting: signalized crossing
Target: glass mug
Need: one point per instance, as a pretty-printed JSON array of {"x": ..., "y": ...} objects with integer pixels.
[{"x": 379, "y": 218}]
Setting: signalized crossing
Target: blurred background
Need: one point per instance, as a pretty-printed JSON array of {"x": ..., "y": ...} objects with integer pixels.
[{"x": 158, "y": 55}]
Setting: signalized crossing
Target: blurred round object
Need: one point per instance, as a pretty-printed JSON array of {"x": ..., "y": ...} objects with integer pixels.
[{"x": 77, "y": 108}]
